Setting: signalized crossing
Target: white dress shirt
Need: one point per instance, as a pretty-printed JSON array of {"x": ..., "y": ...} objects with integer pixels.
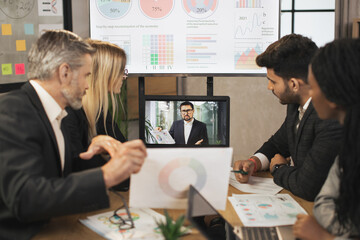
[
  {"x": 55, "y": 114},
  {"x": 187, "y": 129}
]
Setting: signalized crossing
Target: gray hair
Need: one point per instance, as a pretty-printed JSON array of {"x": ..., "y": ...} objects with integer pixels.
[{"x": 53, "y": 48}]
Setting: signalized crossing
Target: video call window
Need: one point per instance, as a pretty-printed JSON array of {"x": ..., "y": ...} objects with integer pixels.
[{"x": 210, "y": 113}]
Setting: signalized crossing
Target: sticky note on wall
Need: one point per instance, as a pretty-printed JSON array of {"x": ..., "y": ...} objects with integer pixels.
[
  {"x": 6, "y": 69},
  {"x": 29, "y": 28},
  {"x": 6, "y": 29},
  {"x": 19, "y": 68},
  {"x": 20, "y": 45}
]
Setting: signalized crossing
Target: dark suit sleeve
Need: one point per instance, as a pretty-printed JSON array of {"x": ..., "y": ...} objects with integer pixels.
[
  {"x": 112, "y": 129},
  {"x": 306, "y": 179},
  {"x": 278, "y": 143},
  {"x": 204, "y": 135},
  {"x": 30, "y": 186},
  {"x": 172, "y": 130}
]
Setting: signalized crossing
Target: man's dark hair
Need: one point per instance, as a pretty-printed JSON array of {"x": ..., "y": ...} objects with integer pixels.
[
  {"x": 187, "y": 103},
  {"x": 336, "y": 70},
  {"x": 289, "y": 56}
]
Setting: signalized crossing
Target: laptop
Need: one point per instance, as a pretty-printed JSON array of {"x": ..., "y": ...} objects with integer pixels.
[{"x": 212, "y": 225}]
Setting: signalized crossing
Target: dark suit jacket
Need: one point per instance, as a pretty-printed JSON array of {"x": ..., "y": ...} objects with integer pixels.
[
  {"x": 198, "y": 132},
  {"x": 313, "y": 149},
  {"x": 77, "y": 124},
  {"x": 32, "y": 186}
]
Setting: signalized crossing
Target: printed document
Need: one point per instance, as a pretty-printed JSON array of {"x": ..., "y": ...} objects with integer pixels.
[
  {"x": 256, "y": 185},
  {"x": 260, "y": 210},
  {"x": 167, "y": 173}
]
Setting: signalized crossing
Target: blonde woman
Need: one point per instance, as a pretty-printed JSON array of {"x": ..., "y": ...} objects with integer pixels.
[{"x": 100, "y": 104}]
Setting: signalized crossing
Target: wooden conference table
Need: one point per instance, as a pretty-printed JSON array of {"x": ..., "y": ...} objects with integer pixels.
[{"x": 69, "y": 227}]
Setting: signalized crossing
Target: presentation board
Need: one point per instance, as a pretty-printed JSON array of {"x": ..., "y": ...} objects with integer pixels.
[{"x": 188, "y": 37}]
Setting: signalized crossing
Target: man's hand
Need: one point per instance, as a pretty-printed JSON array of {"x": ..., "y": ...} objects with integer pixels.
[
  {"x": 125, "y": 158},
  {"x": 278, "y": 159},
  {"x": 101, "y": 144},
  {"x": 307, "y": 228},
  {"x": 245, "y": 165},
  {"x": 199, "y": 142}
]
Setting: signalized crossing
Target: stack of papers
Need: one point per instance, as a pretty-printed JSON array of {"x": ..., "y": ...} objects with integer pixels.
[
  {"x": 144, "y": 220},
  {"x": 256, "y": 185},
  {"x": 261, "y": 210}
]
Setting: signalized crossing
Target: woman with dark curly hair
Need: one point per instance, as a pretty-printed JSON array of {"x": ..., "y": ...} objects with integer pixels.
[{"x": 334, "y": 77}]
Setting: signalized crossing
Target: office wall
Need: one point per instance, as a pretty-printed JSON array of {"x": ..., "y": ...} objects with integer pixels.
[{"x": 255, "y": 112}]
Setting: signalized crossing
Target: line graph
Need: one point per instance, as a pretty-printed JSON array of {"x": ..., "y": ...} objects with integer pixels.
[{"x": 248, "y": 25}]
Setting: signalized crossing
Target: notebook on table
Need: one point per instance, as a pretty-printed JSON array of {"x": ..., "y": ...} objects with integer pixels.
[{"x": 212, "y": 225}]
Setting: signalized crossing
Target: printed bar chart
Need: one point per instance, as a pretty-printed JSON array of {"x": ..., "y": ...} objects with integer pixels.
[
  {"x": 123, "y": 41},
  {"x": 248, "y": 4},
  {"x": 201, "y": 49}
]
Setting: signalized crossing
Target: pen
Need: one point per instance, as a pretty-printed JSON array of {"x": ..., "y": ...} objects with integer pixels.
[{"x": 240, "y": 171}]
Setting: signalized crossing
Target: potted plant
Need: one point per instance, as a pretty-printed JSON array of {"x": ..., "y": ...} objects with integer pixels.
[{"x": 170, "y": 229}]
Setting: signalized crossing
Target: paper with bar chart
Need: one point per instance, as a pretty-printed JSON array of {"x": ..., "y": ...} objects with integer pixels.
[
  {"x": 188, "y": 36},
  {"x": 167, "y": 173}
]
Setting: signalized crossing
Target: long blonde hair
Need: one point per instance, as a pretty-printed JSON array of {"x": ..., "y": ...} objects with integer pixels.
[{"x": 108, "y": 66}]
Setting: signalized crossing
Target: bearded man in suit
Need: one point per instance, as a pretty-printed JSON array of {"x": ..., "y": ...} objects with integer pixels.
[
  {"x": 36, "y": 177},
  {"x": 299, "y": 155},
  {"x": 189, "y": 130}
]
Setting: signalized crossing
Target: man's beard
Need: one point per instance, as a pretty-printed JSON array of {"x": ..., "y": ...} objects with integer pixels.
[
  {"x": 187, "y": 118},
  {"x": 73, "y": 94},
  {"x": 288, "y": 97}
]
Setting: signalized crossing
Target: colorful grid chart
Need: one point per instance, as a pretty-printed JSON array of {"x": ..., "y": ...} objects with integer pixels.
[
  {"x": 158, "y": 51},
  {"x": 201, "y": 49},
  {"x": 245, "y": 55},
  {"x": 123, "y": 41},
  {"x": 248, "y": 3}
]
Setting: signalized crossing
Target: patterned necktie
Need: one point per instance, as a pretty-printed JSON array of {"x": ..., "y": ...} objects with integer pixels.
[{"x": 301, "y": 114}]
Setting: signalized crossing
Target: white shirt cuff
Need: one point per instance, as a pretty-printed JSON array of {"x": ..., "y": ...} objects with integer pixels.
[{"x": 264, "y": 161}]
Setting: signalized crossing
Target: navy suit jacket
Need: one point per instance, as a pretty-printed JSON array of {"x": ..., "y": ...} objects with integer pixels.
[
  {"x": 198, "y": 132},
  {"x": 313, "y": 149},
  {"x": 32, "y": 186}
]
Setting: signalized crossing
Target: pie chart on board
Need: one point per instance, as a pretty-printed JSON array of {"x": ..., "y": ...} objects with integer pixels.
[
  {"x": 113, "y": 9},
  {"x": 200, "y": 8},
  {"x": 156, "y": 9}
]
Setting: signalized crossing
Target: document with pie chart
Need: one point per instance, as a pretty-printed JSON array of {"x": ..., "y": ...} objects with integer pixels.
[{"x": 167, "y": 173}]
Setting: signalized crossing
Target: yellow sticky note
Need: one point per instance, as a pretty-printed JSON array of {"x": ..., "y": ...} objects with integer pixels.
[
  {"x": 20, "y": 45},
  {"x": 6, "y": 29}
]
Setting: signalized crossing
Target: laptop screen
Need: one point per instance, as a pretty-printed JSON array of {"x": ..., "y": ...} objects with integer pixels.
[{"x": 206, "y": 219}]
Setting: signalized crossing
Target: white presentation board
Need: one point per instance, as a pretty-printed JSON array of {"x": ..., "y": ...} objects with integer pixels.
[{"x": 210, "y": 37}]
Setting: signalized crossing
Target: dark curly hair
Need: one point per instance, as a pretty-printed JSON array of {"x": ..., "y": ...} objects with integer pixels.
[
  {"x": 187, "y": 103},
  {"x": 289, "y": 56},
  {"x": 336, "y": 69}
]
